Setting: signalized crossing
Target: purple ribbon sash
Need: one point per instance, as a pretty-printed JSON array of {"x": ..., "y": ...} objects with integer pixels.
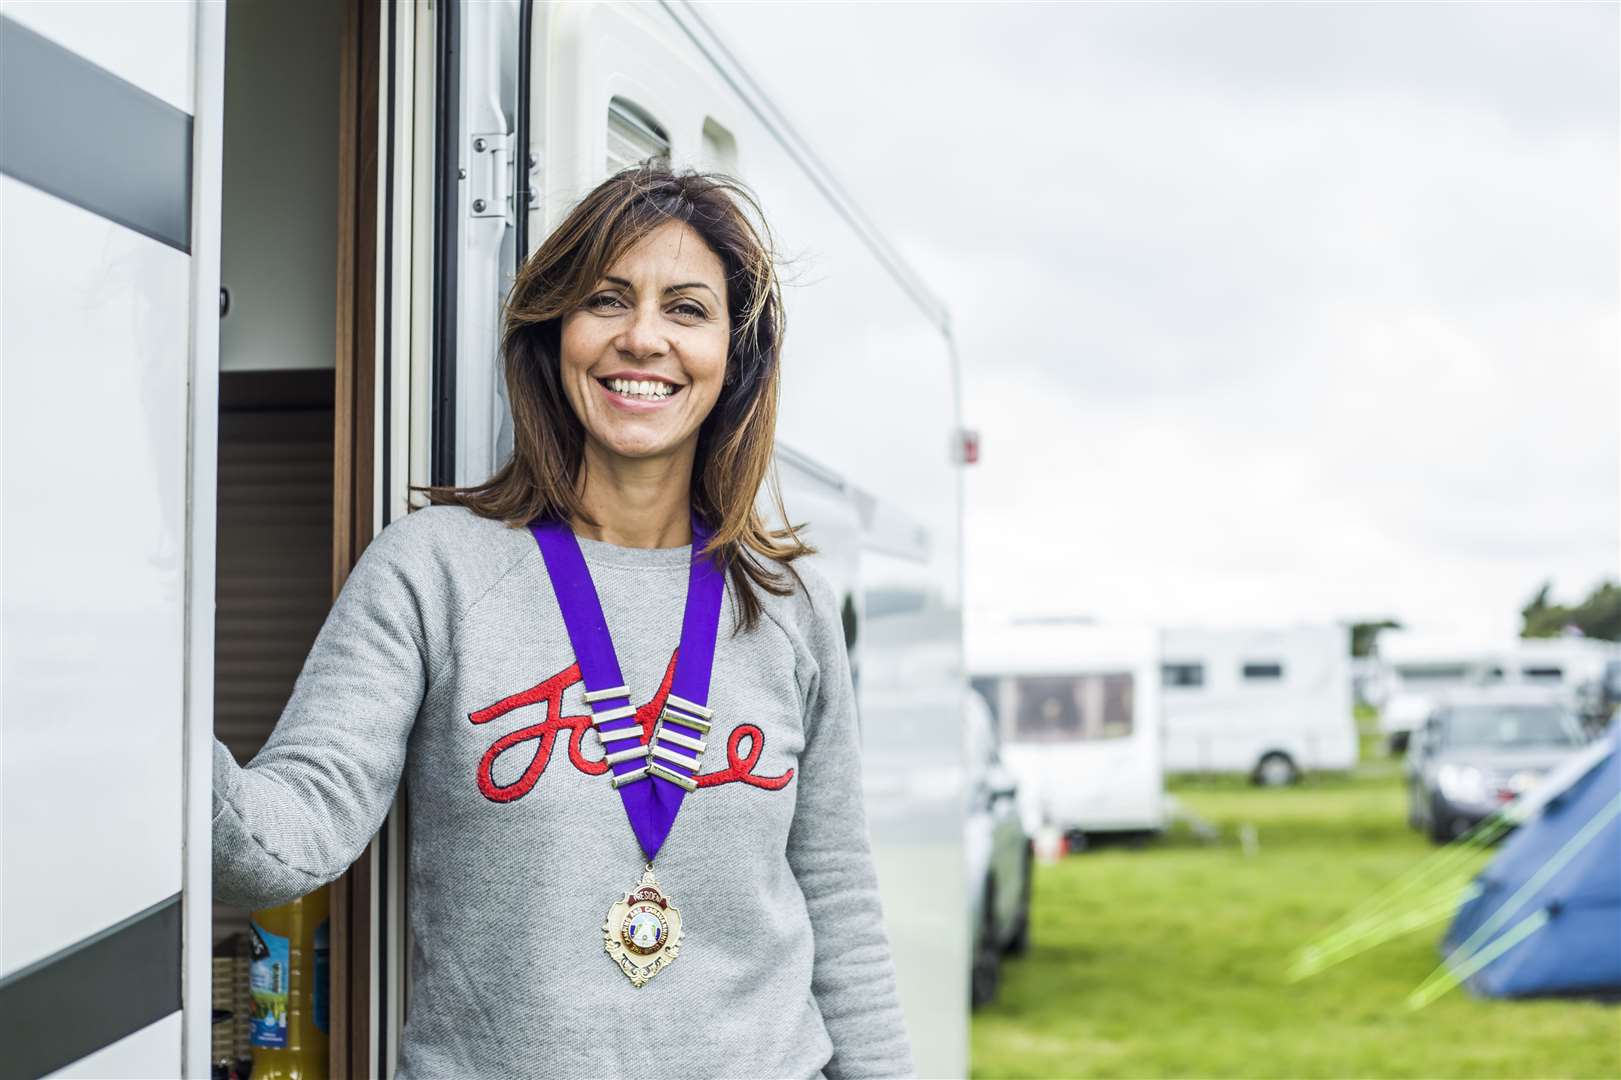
[{"x": 651, "y": 801}]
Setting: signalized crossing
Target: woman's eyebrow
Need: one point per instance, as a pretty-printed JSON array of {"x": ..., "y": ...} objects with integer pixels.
[
  {"x": 692, "y": 285},
  {"x": 668, "y": 288}
]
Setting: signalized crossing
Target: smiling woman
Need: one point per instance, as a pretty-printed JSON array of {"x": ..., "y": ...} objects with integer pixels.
[
  {"x": 656, "y": 348},
  {"x": 575, "y": 598},
  {"x": 642, "y": 346}
]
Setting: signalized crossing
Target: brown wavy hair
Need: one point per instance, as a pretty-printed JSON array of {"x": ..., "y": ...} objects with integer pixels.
[{"x": 735, "y": 441}]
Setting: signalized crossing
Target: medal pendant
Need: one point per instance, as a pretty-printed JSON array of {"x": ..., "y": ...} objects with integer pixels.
[{"x": 643, "y": 931}]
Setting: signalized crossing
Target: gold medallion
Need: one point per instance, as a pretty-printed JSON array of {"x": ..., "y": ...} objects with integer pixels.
[{"x": 643, "y": 931}]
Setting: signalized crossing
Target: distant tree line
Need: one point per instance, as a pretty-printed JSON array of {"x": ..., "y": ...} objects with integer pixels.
[
  {"x": 1599, "y": 616},
  {"x": 1365, "y": 635}
]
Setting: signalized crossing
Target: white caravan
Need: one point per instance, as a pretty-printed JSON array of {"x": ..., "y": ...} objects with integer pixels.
[
  {"x": 252, "y": 263},
  {"x": 1078, "y": 709},
  {"x": 1424, "y": 667},
  {"x": 1267, "y": 703}
]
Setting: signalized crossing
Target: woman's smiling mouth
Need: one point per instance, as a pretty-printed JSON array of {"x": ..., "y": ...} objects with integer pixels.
[{"x": 638, "y": 395}]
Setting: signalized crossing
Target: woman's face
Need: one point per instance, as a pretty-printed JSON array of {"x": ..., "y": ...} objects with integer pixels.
[{"x": 645, "y": 355}]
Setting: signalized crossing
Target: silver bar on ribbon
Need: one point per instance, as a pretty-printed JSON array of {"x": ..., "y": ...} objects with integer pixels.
[
  {"x": 655, "y": 769},
  {"x": 674, "y": 758},
  {"x": 689, "y": 706},
  {"x": 625, "y": 755},
  {"x": 635, "y": 774},
  {"x": 675, "y": 738},
  {"x": 630, "y": 731},
  {"x": 608, "y": 716},
  {"x": 700, "y": 726},
  {"x": 604, "y": 695}
]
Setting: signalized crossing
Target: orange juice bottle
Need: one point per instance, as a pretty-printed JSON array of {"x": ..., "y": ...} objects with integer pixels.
[{"x": 289, "y": 988}]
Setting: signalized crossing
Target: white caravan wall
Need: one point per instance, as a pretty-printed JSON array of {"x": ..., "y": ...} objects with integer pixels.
[
  {"x": 92, "y": 565},
  {"x": 869, "y": 395},
  {"x": 95, "y": 336},
  {"x": 149, "y": 45},
  {"x": 1230, "y": 721}
]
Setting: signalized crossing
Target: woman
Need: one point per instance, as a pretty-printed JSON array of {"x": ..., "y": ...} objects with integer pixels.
[{"x": 696, "y": 898}]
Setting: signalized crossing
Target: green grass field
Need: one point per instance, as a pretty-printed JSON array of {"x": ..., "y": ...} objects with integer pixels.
[{"x": 1171, "y": 960}]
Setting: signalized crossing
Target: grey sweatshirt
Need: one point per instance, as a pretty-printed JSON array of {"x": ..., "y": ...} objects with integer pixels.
[{"x": 445, "y": 662}]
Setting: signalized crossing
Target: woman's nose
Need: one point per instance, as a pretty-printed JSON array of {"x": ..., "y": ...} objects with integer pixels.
[{"x": 643, "y": 335}]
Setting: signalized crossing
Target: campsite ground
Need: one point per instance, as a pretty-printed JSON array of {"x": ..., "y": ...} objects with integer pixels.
[{"x": 1172, "y": 960}]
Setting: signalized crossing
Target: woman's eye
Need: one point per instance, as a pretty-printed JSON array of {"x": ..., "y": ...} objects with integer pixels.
[
  {"x": 602, "y": 300},
  {"x": 690, "y": 310}
]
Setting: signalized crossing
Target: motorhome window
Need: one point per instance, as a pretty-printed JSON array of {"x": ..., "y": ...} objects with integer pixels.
[
  {"x": 1182, "y": 675},
  {"x": 720, "y": 147},
  {"x": 1543, "y": 674},
  {"x": 633, "y": 136},
  {"x": 1072, "y": 708},
  {"x": 1414, "y": 674},
  {"x": 1263, "y": 670}
]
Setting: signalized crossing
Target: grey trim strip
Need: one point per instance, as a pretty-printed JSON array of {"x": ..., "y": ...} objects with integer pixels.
[
  {"x": 90, "y": 995},
  {"x": 79, "y": 132}
]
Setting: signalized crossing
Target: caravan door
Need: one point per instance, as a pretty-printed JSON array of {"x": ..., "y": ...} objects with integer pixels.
[{"x": 109, "y": 273}]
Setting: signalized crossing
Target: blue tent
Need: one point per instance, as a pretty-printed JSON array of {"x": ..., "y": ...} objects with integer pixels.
[{"x": 1547, "y": 919}]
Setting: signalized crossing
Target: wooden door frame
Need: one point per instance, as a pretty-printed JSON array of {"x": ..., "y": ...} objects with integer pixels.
[{"x": 353, "y": 948}]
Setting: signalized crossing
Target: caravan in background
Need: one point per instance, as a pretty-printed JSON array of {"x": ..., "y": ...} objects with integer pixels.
[
  {"x": 1424, "y": 668},
  {"x": 1077, "y": 707},
  {"x": 1266, "y": 703}
]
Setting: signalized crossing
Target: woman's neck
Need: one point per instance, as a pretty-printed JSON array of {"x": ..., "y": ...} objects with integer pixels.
[{"x": 637, "y": 502}]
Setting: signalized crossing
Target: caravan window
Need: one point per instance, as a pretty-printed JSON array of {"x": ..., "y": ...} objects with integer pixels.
[
  {"x": 1256, "y": 670},
  {"x": 1069, "y": 708},
  {"x": 1543, "y": 674},
  {"x": 1419, "y": 674},
  {"x": 633, "y": 136},
  {"x": 720, "y": 147},
  {"x": 1182, "y": 675}
]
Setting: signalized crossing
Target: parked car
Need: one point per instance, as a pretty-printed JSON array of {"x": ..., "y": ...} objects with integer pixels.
[
  {"x": 1479, "y": 750},
  {"x": 998, "y": 853}
]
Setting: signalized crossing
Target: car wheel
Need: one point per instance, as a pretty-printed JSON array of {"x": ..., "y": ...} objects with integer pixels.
[
  {"x": 1276, "y": 770},
  {"x": 1398, "y": 742},
  {"x": 1440, "y": 823},
  {"x": 987, "y": 971},
  {"x": 1019, "y": 943}
]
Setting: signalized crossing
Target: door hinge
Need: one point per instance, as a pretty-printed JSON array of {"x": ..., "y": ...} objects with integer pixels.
[{"x": 489, "y": 175}]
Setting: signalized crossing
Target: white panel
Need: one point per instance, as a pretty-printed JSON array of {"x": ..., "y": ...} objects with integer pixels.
[
  {"x": 853, "y": 321},
  {"x": 93, "y": 422},
  {"x": 280, "y": 200},
  {"x": 145, "y": 42},
  {"x": 153, "y": 1051}
]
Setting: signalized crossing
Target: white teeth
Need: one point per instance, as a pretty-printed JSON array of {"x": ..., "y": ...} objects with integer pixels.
[{"x": 647, "y": 388}]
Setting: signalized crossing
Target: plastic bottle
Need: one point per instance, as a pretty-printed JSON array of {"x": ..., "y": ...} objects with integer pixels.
[{"x": 290, "y": 986}]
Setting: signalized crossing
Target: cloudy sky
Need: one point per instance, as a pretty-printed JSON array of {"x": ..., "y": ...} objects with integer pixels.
[{"x": 1267, "y": 312}]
